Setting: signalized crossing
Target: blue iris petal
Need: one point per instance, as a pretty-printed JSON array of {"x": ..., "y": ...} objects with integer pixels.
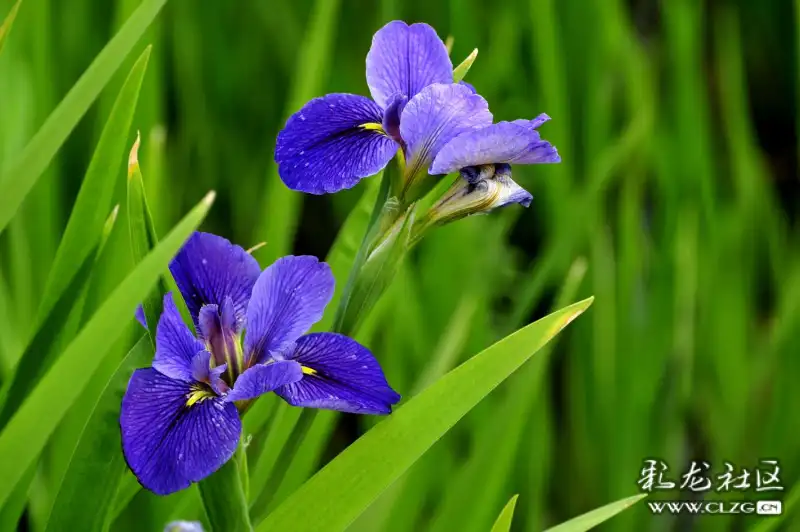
[{"x": 178, "y": 420}]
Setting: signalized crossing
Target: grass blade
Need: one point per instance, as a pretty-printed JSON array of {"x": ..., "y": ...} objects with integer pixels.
[
  {"x": 348, "y": 484},
  {"x": 94, "y": 198},
  {"x": 20, "y": 176},
  {"x": 141, "y": 233},
  {"x": 97, "y": 465},
  {"x": 282, "y": 204},
  {"x": 31, "y": 426},
  {"x": 5, "y": 29},
  {"x": 503, "y": 523},
  {"x": 591, "y": 519}
]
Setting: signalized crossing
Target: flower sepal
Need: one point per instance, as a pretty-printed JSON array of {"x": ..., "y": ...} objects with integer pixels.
[{"x": 478, "y": 190}]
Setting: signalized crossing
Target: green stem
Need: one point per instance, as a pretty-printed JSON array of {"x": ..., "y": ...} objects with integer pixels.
[
  {"x": 370, "y": 237},
  {"x": 223, "y": 495}
]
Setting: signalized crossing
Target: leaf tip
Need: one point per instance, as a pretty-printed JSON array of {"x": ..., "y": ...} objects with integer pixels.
[
  {"x": 209, "y": 198},
  {"x": 133, "y": 158},
  {"x": 114, "y": 212},
  {"x": 448, "y": 43},
  {"x": 256, "y": 247}
]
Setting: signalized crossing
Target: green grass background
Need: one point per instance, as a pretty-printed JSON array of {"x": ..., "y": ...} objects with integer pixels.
[{"x": 676, "y": 205}]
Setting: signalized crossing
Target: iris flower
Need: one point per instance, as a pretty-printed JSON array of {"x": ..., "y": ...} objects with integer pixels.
[
  {"x": 483, "y": 158},
  {"x": 336, "y": 140},
  {"x": 179, "y": 419}
]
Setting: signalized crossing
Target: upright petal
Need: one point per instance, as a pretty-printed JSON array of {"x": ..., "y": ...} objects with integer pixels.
[
  {"x": 176, "y": 346},
  {"x": 504, "y": 142},
  {"x": 209, "y": 268},
  {"x": 289, "y": 297},
  {"x": 406, "y": 59},
  {"x": 263, "y": 378},
  {"x": 167, "y": 444},
  {"x": 340, "y": 374},
  {"x": 434, "y": 117},
  {"x": 332, "y": 143}
]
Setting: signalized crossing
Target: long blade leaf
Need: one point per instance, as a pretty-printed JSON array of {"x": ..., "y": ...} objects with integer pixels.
[
  {"x": 28, "y": 431},
  {"x": 94, "y": 198},
  {"x": 5, "y": 28},
  {"x": 591, "y": 519},
  {"x": 503, "y": 523},
  {"x": 20, "y": 176},
  {"x": 348, "y": 484}
]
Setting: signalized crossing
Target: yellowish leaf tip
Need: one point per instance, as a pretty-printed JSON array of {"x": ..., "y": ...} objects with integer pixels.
[
  {"x": 114, "y": 212},
  {"x": 448, "y": 43},
  {"x": 209, "y": 199},
  {"x": 473, "y": 55},
  {"x": 133, "y": 158},
  {"x": 256, "y": 247}
]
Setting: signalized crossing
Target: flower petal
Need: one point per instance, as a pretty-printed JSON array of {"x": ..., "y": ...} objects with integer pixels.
[
  {"x": 167, "y": 444},
  {"x": 176, "y": 346},
  {"x": 263, "y": 378},
  {"x": 406, "y": 59},
  {"x": 288, "y": 298},
  {"x": 435, "y": 116},
  {"x": 209, "y": 268},
  {"x": 323, "y": 148},
  {"x": 344, "y": 376},
  {"x": 504, "y": 142}
]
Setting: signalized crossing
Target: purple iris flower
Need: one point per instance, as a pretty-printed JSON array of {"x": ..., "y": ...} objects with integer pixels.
[
  {"x": 484, "y": 157},
  {"x": 179, "y": 420},
  {"x": 336, "y": 140}
]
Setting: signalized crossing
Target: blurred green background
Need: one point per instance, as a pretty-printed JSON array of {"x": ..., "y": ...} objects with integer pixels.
[{"x": 676, "y": 205}]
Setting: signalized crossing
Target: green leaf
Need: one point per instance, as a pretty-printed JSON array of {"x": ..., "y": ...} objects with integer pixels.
[
  {"x": 591, "y": 519},
  {"x": 224, "y": 498},
  {"x": 5, "y": 29},
  {"x": 349, "y": 483},
  {"x": 41, "y": 351},
  {"x": 94, "y": 198},
  {"x": 313, "y": 62},
  {"x": 142, "y": 234},
  {"x": 503, "y": 523},
  {"x": 34, "y": 422},
  {"x": 20, "y": 175},
  {"x": 461, "y": 70},
  {"x": 97, "y": 464}
]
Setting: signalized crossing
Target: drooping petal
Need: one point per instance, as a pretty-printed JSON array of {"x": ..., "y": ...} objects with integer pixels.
[
  {"x": 176, "y": 346},
  {"x": 435, "y": 116},
  {"x": 209, "y": 268},
  {"x": 167, "y": 444},
  {"x": 343, "y": 376},
  {"x": 332, "y": 143},
  {"x": 289, "y": 297},
  {"x": 406, "y": 59},
  {"x": 263, "y": 378},
  {"x": 504, "y": 142}
]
